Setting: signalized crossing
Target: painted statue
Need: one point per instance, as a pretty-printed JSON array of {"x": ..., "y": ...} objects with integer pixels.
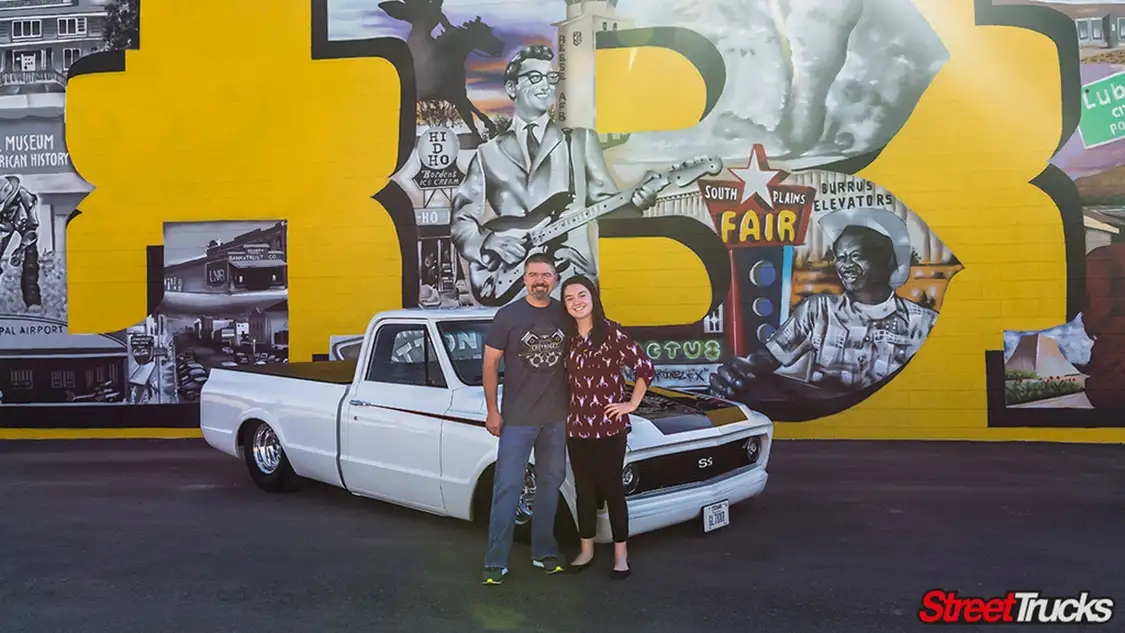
[{"x": 18, "y": 220}]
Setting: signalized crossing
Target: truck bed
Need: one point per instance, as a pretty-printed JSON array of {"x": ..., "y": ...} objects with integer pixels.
[{"x": 338, "y": 372}]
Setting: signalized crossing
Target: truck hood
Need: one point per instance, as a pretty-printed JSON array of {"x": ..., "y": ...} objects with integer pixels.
[
  {"x": 665, "y": 417},
  {"x": 673, "y": 417}
]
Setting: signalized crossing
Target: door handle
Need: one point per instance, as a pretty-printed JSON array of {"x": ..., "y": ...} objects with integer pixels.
[{"x": 361, "y": 403}]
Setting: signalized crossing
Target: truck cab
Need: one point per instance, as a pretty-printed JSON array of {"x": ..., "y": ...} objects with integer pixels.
[{"x": 408, "y": 393}]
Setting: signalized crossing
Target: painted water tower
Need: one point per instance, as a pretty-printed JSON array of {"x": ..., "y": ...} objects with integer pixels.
[{"x": 575, "y": 105}]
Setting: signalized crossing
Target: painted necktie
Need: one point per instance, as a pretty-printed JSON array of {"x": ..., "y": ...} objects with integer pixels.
[{"x": 532, "y": 142}]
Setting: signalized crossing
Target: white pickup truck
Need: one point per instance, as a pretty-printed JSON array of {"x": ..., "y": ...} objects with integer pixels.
[{"x": 403, "y": 422}]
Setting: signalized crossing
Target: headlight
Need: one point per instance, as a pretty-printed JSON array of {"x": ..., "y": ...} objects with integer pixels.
[
  {"x": 630, "y": 479},
  {"x": 754, "y": 449}
]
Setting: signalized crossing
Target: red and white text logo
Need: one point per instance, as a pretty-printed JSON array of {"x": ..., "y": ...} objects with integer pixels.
[{"x": 946, "y": 607}]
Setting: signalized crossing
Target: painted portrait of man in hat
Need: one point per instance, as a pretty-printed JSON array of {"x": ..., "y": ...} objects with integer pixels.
[
  {"x": 18, "y": 220},
  {"x": 852, "y": 340}
]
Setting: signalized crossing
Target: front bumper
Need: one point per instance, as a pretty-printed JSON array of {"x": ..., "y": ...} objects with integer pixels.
[{"x": 662, "y": 508}]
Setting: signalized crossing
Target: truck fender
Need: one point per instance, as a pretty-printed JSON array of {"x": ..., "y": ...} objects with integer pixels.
[
  {"x": 259, "y": 414},
  {"x": 482, "y": 489}
]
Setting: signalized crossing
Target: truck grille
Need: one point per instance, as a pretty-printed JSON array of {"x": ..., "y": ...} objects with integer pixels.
[{"x": 677, "y": 469}]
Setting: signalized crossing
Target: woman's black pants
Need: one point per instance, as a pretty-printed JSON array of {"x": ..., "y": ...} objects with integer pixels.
[{"x": 597, "y": 464}]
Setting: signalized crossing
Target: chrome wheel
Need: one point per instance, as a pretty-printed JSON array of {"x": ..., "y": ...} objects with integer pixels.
[
  {"x": 527, "y": 497},
  {"x": 266, "y": 449}
]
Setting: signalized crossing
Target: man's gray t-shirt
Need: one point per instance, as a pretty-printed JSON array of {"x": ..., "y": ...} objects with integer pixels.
[{"x": 534, "y": 344}]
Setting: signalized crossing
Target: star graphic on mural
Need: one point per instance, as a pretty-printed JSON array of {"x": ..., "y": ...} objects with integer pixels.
[{"x": 757, "y": 176}]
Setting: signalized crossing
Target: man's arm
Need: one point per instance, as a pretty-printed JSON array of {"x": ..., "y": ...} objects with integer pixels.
[
  {"x": 467, "y": 218},
  {"x": 29, "y": 201},
  {"x": 494, "y": 344},
  {"x": 785, "y": 347},
  {"x": 599, "y": 181},
  {"x": 491, "y": 381}
]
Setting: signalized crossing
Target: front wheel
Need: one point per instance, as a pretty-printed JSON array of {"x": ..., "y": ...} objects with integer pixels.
[
  {"x": 566, "y": 532},
  {"x": 265, "y": 458}
]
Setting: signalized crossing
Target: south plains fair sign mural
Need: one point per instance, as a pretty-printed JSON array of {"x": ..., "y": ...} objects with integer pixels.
[{"x": 783, "y": 219}]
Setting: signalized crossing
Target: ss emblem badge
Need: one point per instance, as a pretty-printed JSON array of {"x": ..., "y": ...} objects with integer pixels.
[{"x": 705, "y": 462}]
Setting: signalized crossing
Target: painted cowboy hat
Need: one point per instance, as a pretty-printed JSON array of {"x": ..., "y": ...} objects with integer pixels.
[
  {"x": 880, "y": 221},
  {"x": 9, "y": 189}
]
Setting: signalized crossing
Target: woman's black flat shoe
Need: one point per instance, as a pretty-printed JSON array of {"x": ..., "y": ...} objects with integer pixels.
[
  {"x": 621, "y": 574},
  {"x": 574, "y": 569}
]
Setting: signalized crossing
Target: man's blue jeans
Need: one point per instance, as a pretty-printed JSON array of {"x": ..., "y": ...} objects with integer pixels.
[{"x": 516, "y": 443}]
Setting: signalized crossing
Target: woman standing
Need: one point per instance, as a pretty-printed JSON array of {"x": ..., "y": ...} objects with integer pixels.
[{"x": 598, "y": 420}]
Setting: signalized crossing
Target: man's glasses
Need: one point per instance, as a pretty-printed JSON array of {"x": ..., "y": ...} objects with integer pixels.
[{"x": 535, "y": 77}]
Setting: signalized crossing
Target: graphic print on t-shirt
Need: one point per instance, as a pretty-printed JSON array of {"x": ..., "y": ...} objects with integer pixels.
[{"x": 542, "y": 349}]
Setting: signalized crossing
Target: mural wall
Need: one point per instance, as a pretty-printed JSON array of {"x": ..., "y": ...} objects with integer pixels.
[
  {"x": 772, "y": 197},
  {"x": 41, "y": 363},
  {"x": 1075, "y": 366},
  {"x": 483, "y": 186},
  {"x": 225, "y": 283}
]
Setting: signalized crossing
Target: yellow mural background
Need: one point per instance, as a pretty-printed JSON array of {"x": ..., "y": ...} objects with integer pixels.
[
  {"x": 985, "y": 128},
  {"x": 267, "y": 134},
  {"x": 271, "y": 134}
]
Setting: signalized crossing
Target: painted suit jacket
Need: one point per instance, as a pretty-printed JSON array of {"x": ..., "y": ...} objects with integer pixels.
[{"x": 499, "y": 175}]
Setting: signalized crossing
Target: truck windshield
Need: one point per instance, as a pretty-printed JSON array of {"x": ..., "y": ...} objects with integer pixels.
[{"x": 464, "y": 340}]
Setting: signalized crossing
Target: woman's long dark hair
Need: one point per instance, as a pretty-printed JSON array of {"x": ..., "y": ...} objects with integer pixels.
[{"x": 597, "y": 334}]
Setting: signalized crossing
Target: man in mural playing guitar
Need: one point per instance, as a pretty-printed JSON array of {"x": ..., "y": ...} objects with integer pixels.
[{"x": 538, "y": 179}]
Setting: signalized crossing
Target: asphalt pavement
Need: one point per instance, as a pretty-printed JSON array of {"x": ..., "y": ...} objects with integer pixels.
[{"x": 166, "y": 536}]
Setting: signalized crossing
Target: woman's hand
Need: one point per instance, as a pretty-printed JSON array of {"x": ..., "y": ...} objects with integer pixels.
[{"x": 617, "y": 409}]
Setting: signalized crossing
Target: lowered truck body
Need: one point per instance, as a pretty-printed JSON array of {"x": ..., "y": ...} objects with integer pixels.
[{"x": 403, "y": 422}]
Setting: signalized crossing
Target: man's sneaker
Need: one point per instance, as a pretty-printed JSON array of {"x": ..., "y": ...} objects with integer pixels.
[
  {"x": 549, "y": 564},
  {"x": 493, "y": 575}
]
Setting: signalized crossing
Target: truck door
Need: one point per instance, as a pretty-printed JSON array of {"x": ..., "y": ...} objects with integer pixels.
[{"x": 391, "y": 429}]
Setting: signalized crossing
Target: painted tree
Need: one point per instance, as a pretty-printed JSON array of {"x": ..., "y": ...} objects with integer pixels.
[
  {"x": 123, "y": 25},
  {"x": 502, "y": 122},
  {"x": 437, "y": 112}
]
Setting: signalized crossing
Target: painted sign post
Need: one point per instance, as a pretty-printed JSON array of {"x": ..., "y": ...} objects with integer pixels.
[
  {"x": 142, "y": 347},
  {"x": 1103, "y": 111},
  {"x": 437, "y": 152},
  {"x": 756, "y": 210}
]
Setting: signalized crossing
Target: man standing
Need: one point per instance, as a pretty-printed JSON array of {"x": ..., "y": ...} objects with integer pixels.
[
  {"x": 523, "y": 167},
  {"x": 529, "y": 336},
  {"x": 853, "y": 340}
]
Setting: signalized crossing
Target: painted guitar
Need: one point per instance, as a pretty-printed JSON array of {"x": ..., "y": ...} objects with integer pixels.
[{"x": 546, "y": 227}]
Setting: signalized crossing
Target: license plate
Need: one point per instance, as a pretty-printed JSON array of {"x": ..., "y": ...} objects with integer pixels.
[{"x": 716, "y": 515}]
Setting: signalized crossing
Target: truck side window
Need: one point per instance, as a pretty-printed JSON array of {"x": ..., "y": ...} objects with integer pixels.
[{"x": 404, "y": 355}]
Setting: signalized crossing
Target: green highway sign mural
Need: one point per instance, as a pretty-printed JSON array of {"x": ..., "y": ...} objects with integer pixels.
[{"x": 1103, "y": 111}]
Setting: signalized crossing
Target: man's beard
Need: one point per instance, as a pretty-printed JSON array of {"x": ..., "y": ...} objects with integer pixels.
[{"x": 540, "y": 291}]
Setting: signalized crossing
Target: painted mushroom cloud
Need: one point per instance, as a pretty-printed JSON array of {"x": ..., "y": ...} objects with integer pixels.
[{"x": 813, "y": 81}]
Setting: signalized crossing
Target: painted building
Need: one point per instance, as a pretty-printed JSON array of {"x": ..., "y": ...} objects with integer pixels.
[
  {"x": 41, "y": 40},
  {"x": 269, "y": 326},
  {"x": 577, "y": 43},
  {"x": 253, "y": 261},
  {"x": 41, "y": 364}
]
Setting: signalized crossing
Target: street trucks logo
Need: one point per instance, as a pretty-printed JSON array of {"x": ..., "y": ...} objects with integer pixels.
[
  {"x": 946, "y": 607},
  {"x": 542, "y": 351}
]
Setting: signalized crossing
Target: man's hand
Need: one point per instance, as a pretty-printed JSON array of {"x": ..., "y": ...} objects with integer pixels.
[
  {"x": 645, "y": 195},
  {"x": 732, "y": 377},
  {"x": 493, "y": 423},
  {"x": 509, "y": 249}
]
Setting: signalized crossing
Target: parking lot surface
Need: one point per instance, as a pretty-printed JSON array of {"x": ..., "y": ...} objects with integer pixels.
[{"x": 168, "y": 536}]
